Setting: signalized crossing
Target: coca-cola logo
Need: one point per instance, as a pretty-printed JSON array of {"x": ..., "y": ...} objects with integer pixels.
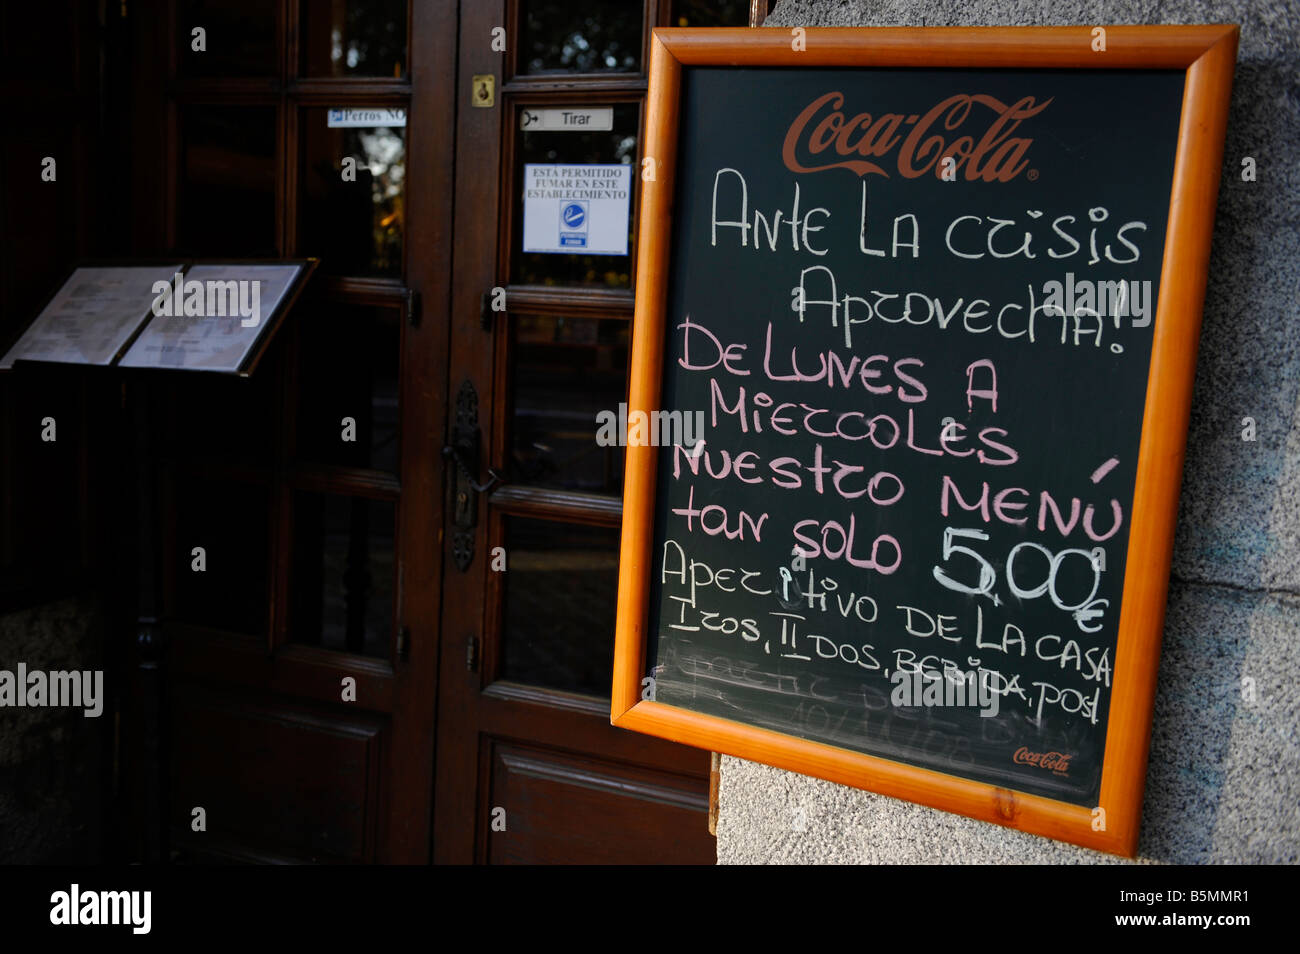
[
  {"x": 917, "y": 143},
  {"x": 1055, "y": 762}
]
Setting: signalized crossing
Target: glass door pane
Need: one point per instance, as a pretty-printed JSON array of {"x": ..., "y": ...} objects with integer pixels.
[
  {"x": 595, "y": 36},
  {"x": 348, "y": 364},
  {"x": 554, "y": 167},
  {"x": 353, "y": 195},
  {"x": 566, "y": 372},
  {"x": 353, "y": 38},
  {"x": 343, "y": 573},
  {"x": 561, "y": 586}
]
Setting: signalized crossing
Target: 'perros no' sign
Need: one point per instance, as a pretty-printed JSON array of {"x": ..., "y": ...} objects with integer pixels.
[{"x": 936, "y": 296}]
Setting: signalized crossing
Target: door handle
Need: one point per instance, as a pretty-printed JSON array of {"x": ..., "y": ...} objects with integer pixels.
[
  {"x": 459, "y": 454},
  {"x": 464, "y": 489}
]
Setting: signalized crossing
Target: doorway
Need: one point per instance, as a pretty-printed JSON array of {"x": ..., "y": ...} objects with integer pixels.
[
  {"x": 400, "y": 648},
  {"x": 529, "y": 770}
]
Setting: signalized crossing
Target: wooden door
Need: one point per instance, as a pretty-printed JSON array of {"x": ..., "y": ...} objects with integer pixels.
[
  {"x": 529, "y": 770},
  {"x": 303, "y": 652}
]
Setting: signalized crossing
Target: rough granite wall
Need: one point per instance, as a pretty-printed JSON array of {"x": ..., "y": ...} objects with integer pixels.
[
  {"x": 51, "y": 759},
  {"x": 1224, "y": 777}
]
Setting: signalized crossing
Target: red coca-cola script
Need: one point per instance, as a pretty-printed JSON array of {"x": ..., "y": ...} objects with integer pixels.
[
  {"x": 917, "y": 143},
  {"x": 1051, "y": 761}
]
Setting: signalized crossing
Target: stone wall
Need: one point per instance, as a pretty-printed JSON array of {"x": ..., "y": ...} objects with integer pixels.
[{"x": 52, "y": 760}]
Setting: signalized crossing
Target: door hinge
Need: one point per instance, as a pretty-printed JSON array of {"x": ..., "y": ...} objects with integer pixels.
[
  {"x": 471, "y": 654},
  {"x": 412, "y": 307}
]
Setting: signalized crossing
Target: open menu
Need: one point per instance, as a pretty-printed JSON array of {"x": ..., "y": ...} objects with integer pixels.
[
  {"x": 207, "y": 317},
  {"x": 92, "y": 317}
]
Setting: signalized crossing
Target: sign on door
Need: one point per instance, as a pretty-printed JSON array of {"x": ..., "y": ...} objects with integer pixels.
[{"x": 577, "y": 209}]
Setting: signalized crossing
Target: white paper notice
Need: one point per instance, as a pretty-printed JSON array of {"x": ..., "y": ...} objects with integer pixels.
[
  {"x": 600, "y": 119},
  {"x": 214, "y": 320},
  {"x": 364, "y": 118},
  {"x": 93, "y": 315},
  {"x": 577, "y": 209}
]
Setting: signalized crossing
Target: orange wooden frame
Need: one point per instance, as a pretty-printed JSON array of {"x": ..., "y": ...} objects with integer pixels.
[{"x": 1207, "y": 54}]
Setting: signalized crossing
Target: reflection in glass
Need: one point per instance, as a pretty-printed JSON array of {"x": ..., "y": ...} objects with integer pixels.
[
  {"x": 594, "y": 36},
  {"x": 710, "y": 13},
  {"x": 227, "y": 181},
  {"x": 229, "y": 521},
  {"x": 355, "y": 226},
  {"x": 354, "y": 38},
  {"x": 566, "y": 371},
  {"x": 347, "y": 368},
  {"x": 560, "y": 593},
  {"x": 342, "y": 580},
  {"x": 239, "y": 38},
  {"x": 618, "y": 145}
]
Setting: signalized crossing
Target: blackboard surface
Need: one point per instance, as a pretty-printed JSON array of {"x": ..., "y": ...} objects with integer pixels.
[{"x": 1065, "y": 179}]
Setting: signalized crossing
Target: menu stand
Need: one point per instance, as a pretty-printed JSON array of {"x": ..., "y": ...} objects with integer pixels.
[{"x": 114, "y": 316}]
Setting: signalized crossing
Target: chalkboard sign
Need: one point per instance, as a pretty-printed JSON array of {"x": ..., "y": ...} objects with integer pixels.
[{"x": 916, "y": 322}]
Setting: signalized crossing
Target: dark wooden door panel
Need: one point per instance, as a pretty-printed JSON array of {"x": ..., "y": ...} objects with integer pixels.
[
  {"x": 543, "y": 717},
  {"x": 559, "y": 808},
  {"x": 274, "y": 778}
]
